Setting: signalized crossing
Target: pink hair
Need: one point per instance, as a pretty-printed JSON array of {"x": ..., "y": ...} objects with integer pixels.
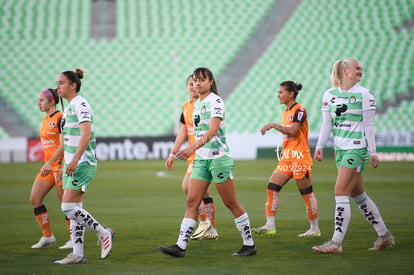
[{"x": 48, "y": 94}]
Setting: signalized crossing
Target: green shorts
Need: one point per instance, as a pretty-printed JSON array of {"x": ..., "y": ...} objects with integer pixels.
[
  {"x": 353, "y": 158},
  {"x": 82, "y": 178},
  {"x": 218, "y": 170}
]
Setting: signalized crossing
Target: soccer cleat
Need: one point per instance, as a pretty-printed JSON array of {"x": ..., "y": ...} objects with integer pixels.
[
  {"x": 385, "y": 241},
  {"x": 266, "y": 231},
  {"x": 310, "y": 233},
  {"x": 211, "y": 234},
  {"x": 106, "y": 242},
  {"x": 328, "y": 247},
  {"x": 44, "y": 241},
  {"x": 72, "y": 259},
  {"x": 202, "y": 228},
  {"x": 173, "y": 250},
  {"x": 67, "y": 245},
  {"x": 246, "y": 250}
]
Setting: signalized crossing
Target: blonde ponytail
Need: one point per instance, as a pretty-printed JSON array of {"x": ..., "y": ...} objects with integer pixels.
[{"x": 336, "y": 73}]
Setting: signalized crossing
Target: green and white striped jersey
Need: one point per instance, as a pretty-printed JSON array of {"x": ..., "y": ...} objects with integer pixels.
[
  {"x": 211, "y": 106},
  {"x": 76, "y": 112},
  {"x": 346, "y": 108}
]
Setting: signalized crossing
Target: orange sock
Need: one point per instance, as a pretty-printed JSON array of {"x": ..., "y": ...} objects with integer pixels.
[
  {"x": 202, "y": 214},
  {"x": 42, "y": 218},
  {"x": 272, "y": 202},
  {"x": 211, "y": 210},
  {"x": 311, "y": 206}
]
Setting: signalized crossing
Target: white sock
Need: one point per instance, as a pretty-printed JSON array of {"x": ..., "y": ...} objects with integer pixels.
[
  {"x": 187, "y": 227},
  {"x": 270, "y": 222},
  {"x": 314, "y": 225},
  {"x": 243, "y": 225},
  {"x": 75, "y": 212},
  {"x": 78, "y": 234},
  {"x": 371, "y": 213},
  {"x": 342, "y": 218},
  {"x": 78, "y": 237}
]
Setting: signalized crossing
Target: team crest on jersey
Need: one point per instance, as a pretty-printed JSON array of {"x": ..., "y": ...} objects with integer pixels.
[
  {"x": 290, "y": 118},
  {"x": 352, "y": 100},
  {"x": 52, "y": 125},
  {"x": 203, "y": 109}
]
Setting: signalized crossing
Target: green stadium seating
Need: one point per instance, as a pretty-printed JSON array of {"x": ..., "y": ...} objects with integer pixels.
[
  {"x": 136, "y": 81},
  {"x": 316, "y": 35}
]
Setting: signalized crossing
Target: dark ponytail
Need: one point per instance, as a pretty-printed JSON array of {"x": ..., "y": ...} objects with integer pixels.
[
  {"x": 291, "y": 86},
  {"x": 75, "y": 77}
]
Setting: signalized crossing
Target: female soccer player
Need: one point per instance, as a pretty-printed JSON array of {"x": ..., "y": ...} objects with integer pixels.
[
  {"x": 348, "y": 110},
  {"x": 296, "y": 161},
  {"x": 212, "y": 162},
  {"x": 50, "y": 137},
  {"x": 206, "y": 212},
  {"x": 79, "y": 168}
]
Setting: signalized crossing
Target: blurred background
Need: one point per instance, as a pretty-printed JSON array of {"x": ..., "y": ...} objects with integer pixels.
[{"x": 138, "y": 54}]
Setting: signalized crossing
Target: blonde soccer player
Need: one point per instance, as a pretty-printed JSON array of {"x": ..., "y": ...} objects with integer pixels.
[{"x": 348, "y": 111}]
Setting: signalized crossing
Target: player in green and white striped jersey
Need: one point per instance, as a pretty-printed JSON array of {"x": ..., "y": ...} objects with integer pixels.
[
  {"x": 77, "y": 112},
  {"x": 212, "y": 162},
  {"x": 79, "y": 167},
  {"x": 348, "y": 112}
]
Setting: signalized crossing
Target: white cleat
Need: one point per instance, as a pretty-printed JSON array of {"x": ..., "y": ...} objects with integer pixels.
[
  {"x": 264, "y": 231},
  {"x": 383, "y": 242},
  {"x": 72, "y": 259},
  {"x": 328, "y": 247},
  {"x": 106, "y": 242},
  {"x": 203, "y": 227},
  {"x": 45, "y": 241},
  {"x": 310, "y": 233},
  {"x": 67, "y": 245},
  {"x": 211, "y": 234}
]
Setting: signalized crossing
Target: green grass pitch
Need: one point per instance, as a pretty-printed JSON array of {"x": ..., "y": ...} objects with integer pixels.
[{"x": 144, "y": 204}]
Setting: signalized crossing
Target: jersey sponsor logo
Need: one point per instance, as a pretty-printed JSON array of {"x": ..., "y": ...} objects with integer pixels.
[
  {"x": 333, "y": 100},
  {"x": 218, "y": 100},
  {"x": 85, "y": 115},
  {"x": 62, "y": 124},
  {"x": 300, "y": 116},
  {"x": 372, "y": 103},
  {"x": 218, "y": 111},
  {"x": 196, "y": 120},
  {"x": 342, "y": 125},
  {"x": 83, "y": 104},
  {"x": 215, "y": 153},
  {"x": 340, "y": 108}
]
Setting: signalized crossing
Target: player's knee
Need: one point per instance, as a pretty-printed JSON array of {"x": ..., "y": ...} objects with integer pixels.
[{"x": 70, "y": 209}]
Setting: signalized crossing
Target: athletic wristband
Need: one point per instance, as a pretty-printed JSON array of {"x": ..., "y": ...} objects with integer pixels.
[{"x": 172, "y": 154}]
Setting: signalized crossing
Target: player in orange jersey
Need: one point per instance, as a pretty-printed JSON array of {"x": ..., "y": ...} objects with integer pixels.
[
  {"x": 51, "y": 139},
  {"x": 296, "y": 161},
  {"x": 206, "y": 212}
]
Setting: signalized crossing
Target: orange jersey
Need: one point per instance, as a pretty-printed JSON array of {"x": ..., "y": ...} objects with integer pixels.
[
  {"x": 49, "y": 135},
  {"x": 297, "y": 147},
  {"x": 187, "y": 119}
]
